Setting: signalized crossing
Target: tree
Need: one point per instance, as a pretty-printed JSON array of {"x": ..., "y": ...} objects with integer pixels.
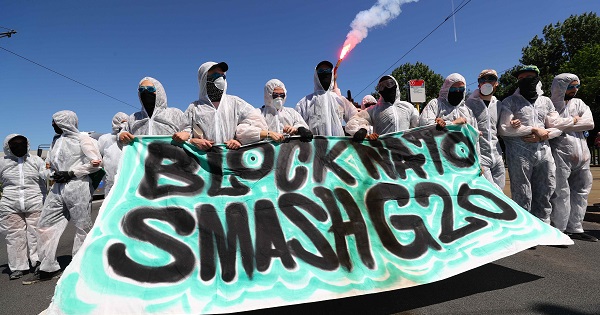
[
  {"x": 586, "y": 65},
  {"x": 560, "y": 44},
  {"x": 417, "y": 71},
  {"x": 571, "y": 46}
]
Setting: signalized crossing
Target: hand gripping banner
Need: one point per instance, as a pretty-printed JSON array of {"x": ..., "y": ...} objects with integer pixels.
[{"x": 190, "y": 232}]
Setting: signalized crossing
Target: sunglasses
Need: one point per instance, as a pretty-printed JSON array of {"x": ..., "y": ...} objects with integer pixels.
[
  {"x": 215, "y": 76},
  {"x": 143, "y": 88},
  {"x": 276, "y": 95},
  {"x": 487, "y": 78},
  {"x": 571, "y": 87},
  {"x": 456, "y": 89},
  {"x": 387, "y": 84},
  {"x": 321, "y": 71}
]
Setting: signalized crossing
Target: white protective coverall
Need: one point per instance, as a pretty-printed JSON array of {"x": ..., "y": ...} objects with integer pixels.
[
  {"x": 110, "y": 150},
  {"x": 530, "y": 165},
  {"x": 233, "y": 118},
  {"x": 324, "y": 111},
  {"x": 440, "y": 107},
  {"x": 24, "y": 189},
  {"x": 367, "y": 99},
  {"x": 164, "y": 121},
  {"x": 70, "y": 201},
  {"x": 572, "y": 158},
  {"x": 285, "y": 116},
  {"x": 385, "y": 117},
  {"x": 490, "y": 151}
]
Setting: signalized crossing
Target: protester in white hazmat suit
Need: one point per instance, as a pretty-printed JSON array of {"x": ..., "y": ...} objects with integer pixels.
[
  {"x": 72, "y": 157},
  {"x": 282, "y": 120},
  {"x": 527, "y": 121},
  {"x": 449, "y": 108},
  {"x": 486, "y": 110},
  {"x": 572, "y": 159},
  {"x": 390, "y": 114},
  {"x": 23, "y": 178},
  {"x": 111, "y": 150},
  {"x": 155, "y": 118},
  {"x": 219, "y": 118},
  {"x": 325, "y": 109}
]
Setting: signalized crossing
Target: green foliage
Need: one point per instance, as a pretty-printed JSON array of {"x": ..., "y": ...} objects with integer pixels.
[
  {"x": 560, "y": 43},
  {"x": 586, "y": 65},
  {"x": 418, "y": 71}
]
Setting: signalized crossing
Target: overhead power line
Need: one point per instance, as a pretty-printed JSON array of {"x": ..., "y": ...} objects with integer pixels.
[
  {"x": 458, "y": 8},
  {"x": 68, "y": 78}
]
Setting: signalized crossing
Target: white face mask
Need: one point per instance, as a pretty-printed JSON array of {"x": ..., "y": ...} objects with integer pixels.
[
  {"x": 220, "y": 83},
  {"x": 278, "y": 103},
  {"x": 486, "y": 89}
]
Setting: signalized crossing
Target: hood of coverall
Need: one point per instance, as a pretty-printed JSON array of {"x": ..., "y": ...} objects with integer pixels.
[
  {"x": 448, "y": 82},
  {"x": 318, "y": 88},
  {"x": 367, "y": 99},
  {"x": 269, "y": 87},
  {"x": 397, "y": 99},
  {"x": 161, "y": 96},
  {"x": 68, "y": 122},
  {"x": 202, "y": 78},
  {"x": 559, "y": 88},
  {"x": 7, "y": 151},
  {"x": 117, "y": 121}
]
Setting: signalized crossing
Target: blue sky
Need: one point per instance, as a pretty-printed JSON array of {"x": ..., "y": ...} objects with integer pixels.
[{"x": 111, "y": 45}]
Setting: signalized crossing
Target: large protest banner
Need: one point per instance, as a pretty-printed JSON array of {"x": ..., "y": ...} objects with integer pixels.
[{"x": 190, "y": 232}]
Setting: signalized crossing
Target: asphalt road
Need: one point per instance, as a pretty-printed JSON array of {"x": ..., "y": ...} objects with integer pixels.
[{"x": 547, "y": 280}]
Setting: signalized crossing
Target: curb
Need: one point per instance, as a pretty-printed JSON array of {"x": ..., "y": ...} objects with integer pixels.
[{"x": 592, "y": 214}]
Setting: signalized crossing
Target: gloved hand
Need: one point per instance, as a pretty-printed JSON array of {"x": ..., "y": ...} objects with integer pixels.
[
  {"x": 63, "y": 176},
  {"x": 305, "y": 134},
  {"x": 360, "y": 135}
]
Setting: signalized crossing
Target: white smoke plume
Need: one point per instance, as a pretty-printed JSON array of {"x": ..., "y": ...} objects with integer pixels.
[{"x": 378, "y": 15}]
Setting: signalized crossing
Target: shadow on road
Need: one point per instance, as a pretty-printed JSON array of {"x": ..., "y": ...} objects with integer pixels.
[{"x": 485, "y": 278}]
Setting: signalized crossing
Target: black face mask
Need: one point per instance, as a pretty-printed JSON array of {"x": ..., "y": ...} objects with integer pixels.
[
  {"x": 389, "y": 94},
  {"x": 18, "y": 146},
  {"x": 56, "y": 128},
  {"x": 528, "y": 87},
  {"x": 454, "y": 98},
  {"x": 149, "y": 101},
  {"x": 325, "y": 80},
  {"x": 214, "y": 93},
  {"x": 568, "y": 97}
]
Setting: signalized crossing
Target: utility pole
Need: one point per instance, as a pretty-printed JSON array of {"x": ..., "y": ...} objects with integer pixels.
[{"x": 8, "y": 34}]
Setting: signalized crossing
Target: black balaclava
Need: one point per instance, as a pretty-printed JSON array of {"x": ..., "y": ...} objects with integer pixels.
[
  {"x": 56, "y": 128},
  {"x": 388, "y": 94},
  {"x": 325, "y": 80},
  {"x": 528, "y": 87},
  {"x": 149, "y": 101},
  {"x": 454, "y": 98},
  {"x": 214, "y": 93},
  {"x": 18, "y": 146}
]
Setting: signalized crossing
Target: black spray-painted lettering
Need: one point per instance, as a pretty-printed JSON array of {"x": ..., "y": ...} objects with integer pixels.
[
  {"x": 325, "y": 161},
  {"x": 184, "y": 168},
  {"x": 212, "y": 231},
  {"x": 448, "y": 234},
  {"x": 356, "y": 226},
  {"x": 376, "y": 198},
  {"x": 285, "y": 161},
  {"x": 404, "y": 159},
  {"x": 369, "y": 157},
  {"x": 134, "y": 225},
  {"x": 451, "y": 142},
  {"x": 215, "y": 165},
  {"x": 270, "y": 241},
  {"x": 288, "y": 204}
]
